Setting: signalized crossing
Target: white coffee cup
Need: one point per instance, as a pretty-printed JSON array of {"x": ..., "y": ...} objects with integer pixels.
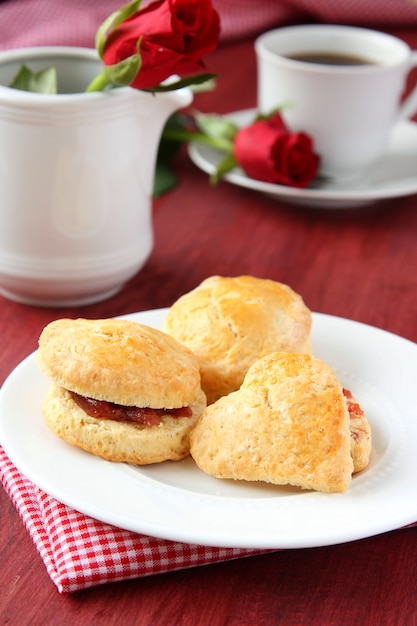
[{"x": 348, "y": 110}]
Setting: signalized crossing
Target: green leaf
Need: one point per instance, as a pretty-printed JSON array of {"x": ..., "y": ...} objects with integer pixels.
[
  {"x": 216, "y": 126},
  {"x": 119, "y": 75},
  {"x": 165, "y": 179},
  {"x": 182, "y": 128},
  {"x": 168, "y": 147},
  {"x": 188, "y": 81},
  {"x": 112, "y": 21},
  {"x": 184, "y": 136},
  {"x": 45, "y": 81},
  {"x": 125, "y": 72},
  {"x": 227, "y": 164},
  {"x": 209, "y": 84},
  {"x": 278, "y": 109}
]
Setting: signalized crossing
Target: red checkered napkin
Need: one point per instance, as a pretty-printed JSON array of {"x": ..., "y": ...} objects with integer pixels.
[{"x": 81, "y": 552}]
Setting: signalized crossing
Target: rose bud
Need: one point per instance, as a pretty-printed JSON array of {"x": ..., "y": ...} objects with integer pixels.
[
  {"x": 267, "y": 151},
  {"x": 171, "y": 37}
]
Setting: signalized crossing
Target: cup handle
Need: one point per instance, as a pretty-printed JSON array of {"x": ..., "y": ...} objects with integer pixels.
[{"x": 409, "y": 106}]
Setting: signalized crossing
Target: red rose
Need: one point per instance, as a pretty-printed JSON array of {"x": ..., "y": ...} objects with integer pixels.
[
  {"x": 174, "y": 36},
  {"x": 267, "y": 151}
]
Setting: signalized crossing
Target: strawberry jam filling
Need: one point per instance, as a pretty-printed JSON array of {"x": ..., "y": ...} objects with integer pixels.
[
  {"x": 145, "y": 416},
  {"x": 353, "y": 407}
]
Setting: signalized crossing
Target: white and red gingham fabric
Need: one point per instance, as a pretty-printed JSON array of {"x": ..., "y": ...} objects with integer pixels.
[
  {"x": 74, "y": 22},
  {"x": 80, "y": 552}
]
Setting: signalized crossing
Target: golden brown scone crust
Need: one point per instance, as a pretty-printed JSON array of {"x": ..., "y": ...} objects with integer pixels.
[
  {"x": 288, "y": 424},
  {"x": 360, "y": 438},
  {"x": 229, "y": 323},
  {"x": 120, "y": 441},
  {"x": 120, "y": 361}
]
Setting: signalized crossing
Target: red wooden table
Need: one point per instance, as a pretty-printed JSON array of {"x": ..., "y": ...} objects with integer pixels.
[{"x": 357, "y": 264}]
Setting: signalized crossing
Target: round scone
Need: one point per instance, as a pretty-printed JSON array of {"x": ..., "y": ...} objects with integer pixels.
[
  {"x": 287, "y": 424},
  {"x": 121, "y": 390},
  {"x": 229, "y": 323}
]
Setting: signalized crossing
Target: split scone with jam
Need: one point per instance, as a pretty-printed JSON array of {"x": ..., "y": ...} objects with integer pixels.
[
  {"x": 288, "y": 424},
  {"x": 120, "y": 390}
]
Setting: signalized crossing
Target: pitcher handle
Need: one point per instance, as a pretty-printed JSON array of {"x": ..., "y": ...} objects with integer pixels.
[{"x": 409, "y": 106}]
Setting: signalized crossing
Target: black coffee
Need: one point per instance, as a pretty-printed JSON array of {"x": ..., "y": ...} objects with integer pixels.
[{"x": 329, "y": 58}]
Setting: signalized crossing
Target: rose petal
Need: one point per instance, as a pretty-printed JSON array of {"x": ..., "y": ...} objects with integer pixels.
[
  {"x": 174, "y": 34},
  {"x": 267, "y": 151}
]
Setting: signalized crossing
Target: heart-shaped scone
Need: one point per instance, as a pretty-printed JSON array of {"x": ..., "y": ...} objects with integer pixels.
[{"x": 287, "y": 424}]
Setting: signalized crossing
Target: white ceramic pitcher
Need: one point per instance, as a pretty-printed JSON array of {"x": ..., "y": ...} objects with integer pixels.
[{"x": 76, "y": 179}]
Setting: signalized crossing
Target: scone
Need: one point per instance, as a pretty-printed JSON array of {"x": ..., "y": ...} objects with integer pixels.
[
  {"x": 287, "y": 424},
  {"x": 229, "y": 323},
  {"x": 360, "y": 433},
  {"x": 121, "y": 390}
]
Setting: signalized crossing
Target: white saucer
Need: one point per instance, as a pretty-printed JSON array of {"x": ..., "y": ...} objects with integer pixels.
[{"x": 393, "y": 176}]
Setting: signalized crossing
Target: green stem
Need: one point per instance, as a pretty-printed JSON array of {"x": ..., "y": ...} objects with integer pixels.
[
  {"x": 98, "y": 83},
  {"x": 215, "y": 142}
]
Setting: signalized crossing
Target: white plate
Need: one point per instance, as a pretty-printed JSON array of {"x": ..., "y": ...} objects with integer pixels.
[
  {"x": 179, "y": 502},
  {"x": 394, "y": 175}
]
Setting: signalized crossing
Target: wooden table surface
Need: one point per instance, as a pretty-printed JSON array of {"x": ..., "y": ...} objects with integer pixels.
[{"x": 357, "y": 264}]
